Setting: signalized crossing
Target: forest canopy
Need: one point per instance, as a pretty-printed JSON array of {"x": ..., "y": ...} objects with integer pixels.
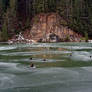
[{"x": 15, "y": 15}]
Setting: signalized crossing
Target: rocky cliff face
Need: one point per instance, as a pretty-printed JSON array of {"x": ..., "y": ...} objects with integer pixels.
[{"x": 49, "y": 28}]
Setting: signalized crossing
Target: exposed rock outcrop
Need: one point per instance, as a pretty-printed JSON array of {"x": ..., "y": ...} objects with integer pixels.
[{"x": 50, "y": 28}]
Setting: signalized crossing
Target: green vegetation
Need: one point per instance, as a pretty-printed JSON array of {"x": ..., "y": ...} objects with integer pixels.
[
  {"x": 67, "y": 38},
  {"x": 0, "y": 36},
  {"x": 4, "y": 33},
  {"x": 86, "y": 37},
  {"x": 77, "y": 13}
]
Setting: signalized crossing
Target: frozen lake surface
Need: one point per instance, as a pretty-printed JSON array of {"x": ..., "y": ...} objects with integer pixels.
[{"x": 67, "y": 67}]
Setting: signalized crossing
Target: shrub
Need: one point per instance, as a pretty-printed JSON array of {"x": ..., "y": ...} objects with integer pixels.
[
  {"x": 67, "y": 38},
  {"x": 4, "y": 32},
  {"x": 86, "y": 37}
]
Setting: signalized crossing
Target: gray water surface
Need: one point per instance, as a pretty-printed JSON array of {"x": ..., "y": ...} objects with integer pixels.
[{"x": 68, "y": 67}]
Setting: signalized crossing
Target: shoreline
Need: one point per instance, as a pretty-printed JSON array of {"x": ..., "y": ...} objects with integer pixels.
[{"x": 10, "y": 42}]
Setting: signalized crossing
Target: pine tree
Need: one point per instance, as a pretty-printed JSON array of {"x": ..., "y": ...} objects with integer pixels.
[
  {"x": 11, "y": 18},
  {"x": 1, "y": 13},
  {"x": 86, "y": 37},
  {"x": 13, "y": 5},
  {"x": 4, "y": 33}
]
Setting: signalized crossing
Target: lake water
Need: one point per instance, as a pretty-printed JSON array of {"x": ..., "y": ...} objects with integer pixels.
[{"x": 67, "y": 67}]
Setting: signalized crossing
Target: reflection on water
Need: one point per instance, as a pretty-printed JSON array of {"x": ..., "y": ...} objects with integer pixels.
[{"x": 60, "y": 66}]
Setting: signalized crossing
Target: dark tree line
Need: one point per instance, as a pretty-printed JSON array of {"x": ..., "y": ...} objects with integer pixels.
[{"x": 15, "y": 15}]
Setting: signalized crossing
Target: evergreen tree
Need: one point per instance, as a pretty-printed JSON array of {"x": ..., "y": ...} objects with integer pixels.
[
  {"x": 78, "y": 13},
  {"x": 86, "y": 37},
  {"x": 4, "y": 33},
  {"x": 11, "y": 17}
]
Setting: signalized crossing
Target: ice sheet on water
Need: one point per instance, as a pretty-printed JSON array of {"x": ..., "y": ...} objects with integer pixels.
[
  {"x": 81, "y": 56},
  {"x": 6, "y": 80},
  {"x": 7, "y": 48},
  {"x": 19, "y": 53},
  {"x": 34, "y": 53},
  {"x": 51, "y": 79},
  {"x": 89, "y": 69},
  {"x": 10, "y": 67},
  {"x": 14, "y": 68},
  {"x": 13, "y": 65},
  {"x": 76, "y": 47}
]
